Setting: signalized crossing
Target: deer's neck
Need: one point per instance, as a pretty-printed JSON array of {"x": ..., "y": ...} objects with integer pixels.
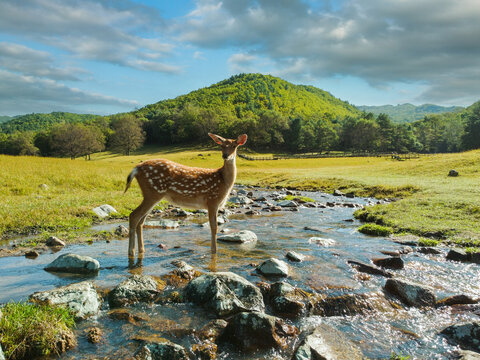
[{"x": 229, "y": 172}]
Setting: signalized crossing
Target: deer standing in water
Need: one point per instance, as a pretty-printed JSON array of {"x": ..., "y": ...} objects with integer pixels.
[{"x": 186, "y": 186}]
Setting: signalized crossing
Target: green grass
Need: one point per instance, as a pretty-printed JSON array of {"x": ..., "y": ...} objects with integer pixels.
[
  {"x": 375, "y": 230},
  {"x": 31, "y": 330},
  {"x": 303, "y": 198},
  {"x": 430, "y": 204},
  {"x": 428, "y": 242}
]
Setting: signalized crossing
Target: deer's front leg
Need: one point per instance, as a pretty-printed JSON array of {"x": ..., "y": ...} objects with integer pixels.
[{"x": 212, "y": 217}]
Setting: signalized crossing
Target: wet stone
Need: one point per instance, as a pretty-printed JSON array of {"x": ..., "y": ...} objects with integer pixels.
[
  {"x": 321, "y": 241},
  {"x": 224, "y": 293},
  {"x": 289, "y": 301},
  {"x": 412, "y": 294},
  {"x": 205, "y": 351},
  {"x": 161, "y": 224},
  {"x": 121, "y": 230},
  {"x": 394, "y": 263},
  {"x": 81, "y": 298},
  {"x": 137, "y": 288},
  {"x": 287, "y": 203},
  {"x": 32, "y": 254},
  {"x": 212, "y": 330},
  {"x": 327, "y": 343},
  {"x": 125, "y": 315},
  {"x": 273, "y": 267},
  {"x": 369, "y": 269},
  {"x": 240, "y": 200},
  {"x": 244, "y": 236},
  {"x": 294, "y": 256},
  {"x": 337, "y": 192},
  {"x": 468, "y": 355},
  {"x": 466, "y": 335},
  {"x": 457, "y": 300},
  {"x": 94, "y": 335},
  {"x": 250, "y": 331},
  {"x": 162, "y": 349},
  {"x": 73, "y": 263},
  {"x": 352, "y": 304},
  {"x": 428, "y": 251}
]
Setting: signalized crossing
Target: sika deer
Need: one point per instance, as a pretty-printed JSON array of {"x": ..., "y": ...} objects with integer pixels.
[{"x": 191, "y": 187}]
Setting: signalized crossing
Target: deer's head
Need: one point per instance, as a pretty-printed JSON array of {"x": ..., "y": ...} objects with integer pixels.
[{"x": 229, "y": 146}]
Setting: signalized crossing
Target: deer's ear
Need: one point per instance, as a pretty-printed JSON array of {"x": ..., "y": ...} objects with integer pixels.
[
  {"x": 218, "y": 139},
  {"x": 242, "y": 139}
]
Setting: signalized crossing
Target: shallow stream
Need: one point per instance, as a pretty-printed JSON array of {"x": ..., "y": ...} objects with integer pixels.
[{"x": 409, "y": 332}]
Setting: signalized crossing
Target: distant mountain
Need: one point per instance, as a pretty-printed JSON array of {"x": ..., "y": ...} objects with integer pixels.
[
  {"x": 253, "y": 93},
  {"x": 36, "y": 122},
  {"x": 408, "y": 112}
]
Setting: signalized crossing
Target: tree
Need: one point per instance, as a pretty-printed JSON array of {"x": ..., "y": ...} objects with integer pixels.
[
  {"x": 21, "y": 143},
  {"x": 471, "y": 138},
  {"x": 74, "y": 140},
  {"x": 128, "y": 134}
]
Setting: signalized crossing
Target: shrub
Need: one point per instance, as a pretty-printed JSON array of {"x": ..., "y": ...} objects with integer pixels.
[
  {"x": 31, "y": 330},
  {"x": 376, "y": 230},
  {"x": 428, "y": 242}
]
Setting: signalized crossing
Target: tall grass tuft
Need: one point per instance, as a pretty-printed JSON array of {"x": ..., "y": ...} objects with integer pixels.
[{"x": 32, "y": 330}]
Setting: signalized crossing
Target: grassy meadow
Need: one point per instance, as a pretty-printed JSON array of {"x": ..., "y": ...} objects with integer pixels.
[{"x": 432, "y": 204}]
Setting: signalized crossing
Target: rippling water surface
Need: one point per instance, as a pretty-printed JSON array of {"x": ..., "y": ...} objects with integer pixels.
[{"x": 410, "y": 332}]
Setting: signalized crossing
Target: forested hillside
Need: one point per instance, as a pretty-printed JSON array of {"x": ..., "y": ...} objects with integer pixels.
[
  {"x": 36, "y": 122},
  {"x": 407, "y": 112},
  {"x": 5, "y": 118},
  {"x": 277, "y": 116}
]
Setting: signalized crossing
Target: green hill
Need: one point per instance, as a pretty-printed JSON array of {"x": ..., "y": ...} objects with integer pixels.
[
  {"x": 5, "y": 118},
  {"x": 246, "y": 94},
  {"x": 36, "y": 122},
  {"x": 407, "y": 112}
]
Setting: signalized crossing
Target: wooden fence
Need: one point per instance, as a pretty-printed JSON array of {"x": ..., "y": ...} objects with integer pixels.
[{"x": 394, "y": 156}]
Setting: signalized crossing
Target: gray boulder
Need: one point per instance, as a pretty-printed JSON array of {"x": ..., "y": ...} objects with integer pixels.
[
  {"x": 251, "y": 331},
  {"x": 321, "y": 241},
  {"x": 121, "y": 230},
  {"x": 273, "y": 267},
  {"x": 81, "y": 298},
  {"x": 162, "y": 349},
  {"x": 289, "y": 301},
  {"x": 137, "y": 288},
  {"x": 104, "y": 211},
  {"x": 244, "y": 236},
  {"x": 162, "y": 224},
  {"x": 327, "y": 343},
  {"x": 224, "y": 293},
  {"x": 287, "y": 203},
  {"x": 337, "y": 192},
  {"x": 241, "y": 200},
  {"x": 394, "y": 262},
  {"x": 54, "y": 241},
  {"x": 458, "y": 255},
  {"x": 294, "y": 256},
  {"x": 368, "y": 269},
  {"x": 73, "y": 263},
  {"x": 467, "y": 335},
  {"x": 352, "y": 304},
  {"x": 412, "y": 294}
]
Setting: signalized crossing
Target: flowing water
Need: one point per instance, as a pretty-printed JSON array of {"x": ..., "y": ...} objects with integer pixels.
[{"x": 410, "y": 332}]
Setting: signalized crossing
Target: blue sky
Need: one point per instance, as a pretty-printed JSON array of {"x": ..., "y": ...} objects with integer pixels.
[{"x": 104, "y": 57}]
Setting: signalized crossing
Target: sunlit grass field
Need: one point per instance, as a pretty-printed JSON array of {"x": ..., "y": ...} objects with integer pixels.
[{"x": 432, "y": 203}]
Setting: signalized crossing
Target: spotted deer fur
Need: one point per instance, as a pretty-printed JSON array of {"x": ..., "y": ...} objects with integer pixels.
[{"x": 186, "y": 186}]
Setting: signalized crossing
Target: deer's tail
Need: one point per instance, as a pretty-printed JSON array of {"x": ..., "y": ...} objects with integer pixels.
[{"x": 130, "y": 178}]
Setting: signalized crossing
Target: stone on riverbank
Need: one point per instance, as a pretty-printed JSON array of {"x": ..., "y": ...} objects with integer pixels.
[
  {"x": 73, "y": 263},
  {"x": 273, "y": 267},
  {"x": 54, "y": 241},
  {"x": 251, "y": 331},
  {"x": 327, "y": 343},
  {"x": 467, "y": 335},
  {"x": 240, "y": 200},
  {"x": 104, "y": 211},
  {"x": 224, "y": 293},
  {"x": 287, "y": 203},
  {"x": 242, "y": 237},
  {"x": 137, "y": 288},
  {"x": 81, "y": 298},
  {"x": 161, "y": 224},
  {"x": 121, "y": 230},
  {"x": 457, "y": 300},
  {"x": 162, "y": 349},
  {"x": 412, "y": 294}
]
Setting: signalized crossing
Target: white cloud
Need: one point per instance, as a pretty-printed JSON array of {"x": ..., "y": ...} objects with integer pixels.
[
  {"x": 433, "y": 42},
  {"x": 22, "y": 94},
  {"x": 95, "y": 30}
]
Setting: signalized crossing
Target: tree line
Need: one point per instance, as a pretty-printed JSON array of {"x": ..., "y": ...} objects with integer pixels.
[{"x": 267, "y": 130}]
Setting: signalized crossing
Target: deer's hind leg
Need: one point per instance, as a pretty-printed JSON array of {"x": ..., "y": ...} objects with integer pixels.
[{"x": 136, "y": 220}]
